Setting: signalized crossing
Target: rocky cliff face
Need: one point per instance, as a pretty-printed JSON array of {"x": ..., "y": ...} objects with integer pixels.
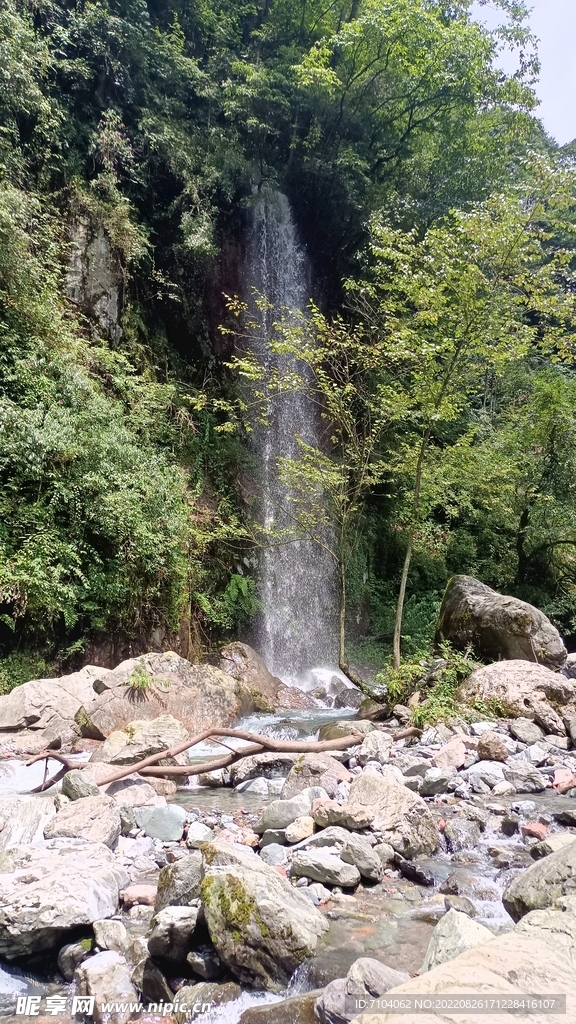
[{"x": 93, "y": 279}]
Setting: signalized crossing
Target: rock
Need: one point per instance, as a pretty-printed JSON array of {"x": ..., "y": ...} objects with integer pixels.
[
  {"x": 331, "y": 836},
  {"x": 385, "y": 852},
  {"x": 564, "y": 780},
  {"x": 565, "y": 816},
  {"x": 414, "y": 872},
  {"x": 49, "y": 890},
  {"x": 77, "y": 784},
  {"x": 139, "y": 895},
  {"x": 171, "y": 933},
  {"x": 337, "y": 730},
  {"x": 298, "y": 1008},
  {"x": 551, "y": 844},
  {"x": 162, "y": 787},
  {"x": 300, "y": 829},
  {"x": 274, "y": 854},
  {"x": 202, "y": 998},
  {"x": 324, "y": 865},
  {"x": 454, "y": 934},
  {"x": 165, "y": 823},
  {"x": 359, "y": 852},
  {"x": 542, "y": 883},
  {"x": 491, "y": 747},
  {"x": 524, "y": 777},
  {"x": 273, "y": 835},
  {"x": 322, "y": 894},
  {"x": 376, "y": 746},
  {"x": 50, "y": 704},
  {"x": 451, "y": 755},
  {"x": 72, "y": 954},
  {"x": 107, "y": 977},
  {"x": 134, "y": 792},
  {"x": 401, "y": 816},
  {"x": 197, "y": 834},
  {"x": 94, "y": 818},
  {"x": 281, "y": 813},
  {"x": 198, "y": 696},
  {"x": 497, "y": 626},
  {"x": 534, "y": 830},
  {"x": 111, "y": 935},
  {"x": 461, "y": 835},
  {"x": 526, "y": 731},
  {"x": 520, "y": 690},
  {"x": 328, "y": 813},
  {"x": 314, "y": 770},
  {"x": 25, "y": 818},
  {"x": 257, "y": 686},
  {"x": 205, "y": 961},
  {"x": 350, "y": 697},
  {"x": 142, "y": 738},
  {"x": 367, "y": 979},
  {"x": 179, "y": 883},
  {"x": 267, "y": 766},
  {"x": 435, "y": 780},
  {"x": 261, "y": 926},
  {"x": 460, "y": 903}
]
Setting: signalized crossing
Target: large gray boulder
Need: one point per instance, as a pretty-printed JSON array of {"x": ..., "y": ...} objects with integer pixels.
[
  {"x": 358, "y": 851},
  {"x": 179, "y": 883},
  {"x": 497, "y": 626},
  {"x": 156, "y": 684},
  {"x": 48, "y": 891},
  {"x": 140, "y": 739},
  {"x": 50, "y": 704},
  {"x": 106, "y": 976},
  {"x": 366, "y": 980},
  {"x": 314, "y": 770},
  {"x": 542, "y": 883},
  {"x": 94, "y": 818},
  {"x": 401, "y": 815},
  {"x": 25, "y": 818},
  {"x": 264, "y": 766},
  {"x": 171, "y": 932},
  {"x": 538, "y": 956},
  {"x": 324, "y": 865},
  {"x": 519, "y": 689},
  {"x": 454, "y": 934},
  {"x": 257, "y": 686},
  {"x": 281, "y": 813},
  {"x": 261, "y": 926}
]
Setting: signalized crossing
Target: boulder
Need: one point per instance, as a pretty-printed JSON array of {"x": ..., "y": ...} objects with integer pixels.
[
  {"x": 327, "y": 813},
  {"x": 49, "y": 890},
  {"x": 435, "y": 780},
  {"x": 491, "y": 747},
  {"x": 538, "y": 956},
  {"x": 111, "y": 935},
  {"x": 72, "y": 954},
  {"x": 451, "y": 755},
  {"x": 454, "y": 934},
  {"x": 542, "y": 883},
  {"x": 257, "y": 687},
  {"x": 179, "y": 883},
  {"x": 525, "y": 731},
  {"x": 337, "y": 730},
  {"x": 520, "y": 689},
  {"x": 300, "y": 829},
  {"x": 106, "y": 976},
  {"x": 200, "y": 999},
  {"x": 77, "y": 784},
  {"x": 140, "y": 739},
  {"x": 524, "y": 777},
  {"x": 50, "y": 704},
  {"x": 401, "y": 816},
  {"x": 314, "y": 770},
  {"x": 267, "y": 766},
  {"x": 134, "y": 792},
  {"x": 261, "y": 926},
  {"x": 358, "y": 851},
  {"x": 497, "y": 626},
  {"x": 25, "y": 818},
  {"x": 375, "y": 746},
  {"x": 324, "y": 865},
  {"x": 281, "y": 813},
  {"x": 298, "y": 1008},
  {"x": 551, "y": 844},
  {"x": 366, "y": 980},
  {"x": 198, "y": 696},
  {"x": 197, "y": 834},
  {"x": 171, "y": 932},
  {"x": 94, "y": 818},
  {"x": 165, "y": 823}
]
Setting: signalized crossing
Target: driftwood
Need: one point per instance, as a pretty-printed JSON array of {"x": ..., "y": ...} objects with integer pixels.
[{"x": 256, "y": 744}]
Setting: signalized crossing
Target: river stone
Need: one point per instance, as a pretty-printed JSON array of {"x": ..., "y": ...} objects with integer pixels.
[
  {"x": 179, "y": 883},
  {"x": 367, "y": 979},
  {"x": 274, "y": 854},
  {"x": 331, "y": 836},
  {"x": 47, "y": 891},
  {"x": 50, "y": 704},
  {"x": 142, "y": 738},
  {"x": 261, "y": 926},
  {"x": 94, "y": 818},
  {"x": 454, "y": 934},
  {"x": 165, "y": 823},
  {"x": 77, "y": 784},
  {"x": 524, "y": 777},
  {"x": 106, "y": 976},
  {"x": 451, "y": 755},
  {"x": 281, "y": 813},
  {"x": 375, "y": 746},
  {"x": 461, "y": 835},
  {"x": 538, "y": 955},
  {"x": 72, "y": 954},
  {"x": 268, "y": 766},
  {"x": 525, "y": 731},
  {"x": 171, "y": 933},
  {"x": 497, "y": 626},
  {"x": 552, "y": 844},
  {"x": 299, "y": 1008},
  {"x": 134, "y": 792},
  {"x": 401, "y": 816},
  {"x": 521, "y": 690},
  {"x": 201, "y": 998},
  {"x": 435, "y": 780},
  {"x": 111, "y": 935},
  {"x": 492, "y": 747},
  {"x": 198, "y": 696},
  {"x": 300, "y": 829},
  {"x": 314, "y": 770},
  {"x": 324, "y": 865},
  {"x": 358, "y": 851},
  {"x": 25, "y": 818},
  {"x": 542, "y": 883},
  {"x": 328, "y": 813},
  {"x": 337, "y": 730},
  {"x": 197, "y": 834}
]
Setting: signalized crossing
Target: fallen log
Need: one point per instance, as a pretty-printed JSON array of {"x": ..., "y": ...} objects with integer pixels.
[{"x": 255, "y": 744}]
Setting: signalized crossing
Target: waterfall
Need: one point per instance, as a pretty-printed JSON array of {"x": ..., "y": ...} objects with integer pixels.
[{"x": 296, "y": 628}]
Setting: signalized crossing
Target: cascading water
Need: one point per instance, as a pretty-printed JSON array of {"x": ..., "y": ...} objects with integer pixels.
[{"x": 296, "y": 629}]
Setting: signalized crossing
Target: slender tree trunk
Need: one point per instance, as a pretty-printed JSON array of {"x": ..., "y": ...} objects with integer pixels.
[
  {"x": 396, "y": 646},
  {"x": 342, "y": 618}
]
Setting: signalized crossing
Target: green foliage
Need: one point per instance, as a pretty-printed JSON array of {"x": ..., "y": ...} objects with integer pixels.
[
  {"x": 20, "y": 667},
  {"x": 439, "y": 702}
]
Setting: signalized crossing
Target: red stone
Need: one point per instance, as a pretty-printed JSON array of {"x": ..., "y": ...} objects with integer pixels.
[{"x": 535, "y": 829}]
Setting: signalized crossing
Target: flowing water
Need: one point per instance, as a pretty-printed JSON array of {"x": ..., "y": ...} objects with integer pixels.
[{"x": 296, "y": 628}]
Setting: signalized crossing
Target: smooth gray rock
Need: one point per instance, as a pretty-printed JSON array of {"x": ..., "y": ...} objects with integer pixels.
[
  {"x": 165, "y": 823},
  {"x": 77, "y": 784},
  {"x": 111, "y": 935},
  {"x": 171, "y": 932},
  {"x": 521, "y": 690},
  {"x": 198, "y": 834},
  {"x": 367, "y": 979},
  {"x": 179, "y": 883},
  {"x": 552, "y": 844},
  {"x": 524, "y": 777},
  {"x": 324, "y": 865},
  {"x": 454, "y": 934},
  {"x": 542, "y": 883},
  {"x": 359, "y": 852},
  {"x": 94, "y": 818},
  {"x": 281, "y": 813},
  {"x": 314, "y": 770},
  {"x": 526, "y": 731},
  {"x": 49, "y": 890},
  {"x": 435, "y": 781},
  {"x": 401, "y": 816},
  {"x": 106, "y": 976},
  {"x": 72, "y": 954},
  {"x": 274, "y": 854},
  {"x": 376, "y": 746}
]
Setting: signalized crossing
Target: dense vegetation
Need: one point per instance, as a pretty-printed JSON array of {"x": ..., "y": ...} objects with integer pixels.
[{"x": 410, "y": 162}]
